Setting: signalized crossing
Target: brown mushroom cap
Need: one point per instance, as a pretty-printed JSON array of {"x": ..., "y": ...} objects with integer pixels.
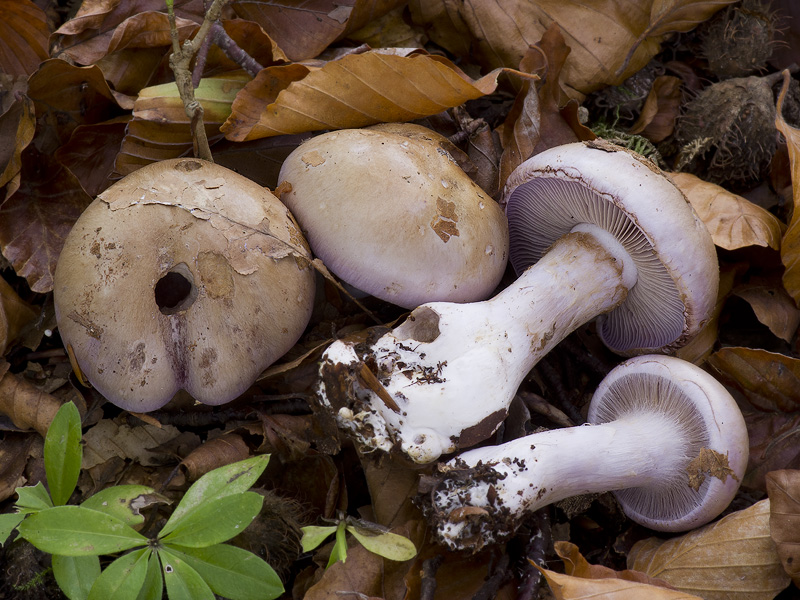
[
  {"x": 390, "y": 212},
  {"x": 183, "y": 275}
]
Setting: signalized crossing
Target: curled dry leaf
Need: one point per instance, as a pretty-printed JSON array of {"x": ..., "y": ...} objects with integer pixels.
[
  {"x": 18, "y": 123},
  {"x": 610, "y": 39},
  {"x": 768, "y": 380},
  {"x": 734, "y": 222},
  {"x": 35, "y": 221},
  {"x": 160, "y": 128},
  {"x": 774, "y": 308},
  {"x": 217, "y": 452},
  {"x": 732, "y": 559},
  {"x": 656, "y": 122},
  {"x": 26, "y": 405},
  {"x": 15, "y": 313},
  {"x": 24, "y": 37},
  {"x": 575, "y": 565},
  {"x": 567, "y": 587},
  {"x": 354, "y": 91},
  {"x": 303, "y": 30},
  {"x": 783, "y": 488},
  {"x": 101, "y": 27},
  {"x": 790, "y": 246},
  {"x": 14, "y": 454},
  {"x": 774, "y": 445}
]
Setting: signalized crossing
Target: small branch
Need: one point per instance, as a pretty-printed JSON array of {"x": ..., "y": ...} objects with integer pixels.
[{"x": 180, "y": 62}]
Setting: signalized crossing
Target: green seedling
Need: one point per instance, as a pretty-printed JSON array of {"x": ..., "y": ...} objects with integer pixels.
[
  {"x": 374, "y": 538},
  {"x": 187, "y": 556}
]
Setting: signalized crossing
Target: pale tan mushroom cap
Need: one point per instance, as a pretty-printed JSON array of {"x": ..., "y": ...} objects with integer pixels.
[
  {"x": 395, "y": 216},
  {"x": 250, "y": 296},
  {"x": 602, "y": 184}
]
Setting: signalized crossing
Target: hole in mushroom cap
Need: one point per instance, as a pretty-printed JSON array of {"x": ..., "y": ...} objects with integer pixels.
[{"x": 175, "y": 291}]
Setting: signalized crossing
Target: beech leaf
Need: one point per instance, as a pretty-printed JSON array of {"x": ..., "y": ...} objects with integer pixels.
[
  {"x": 354, "y": 91},
  {"x": 783, "y": 488},
  {"x": 731, "y": 559},
  {"x": 567, "y": 587},
  {"x": 24, "y": 37},
  {"x": 773, "y": 307},
  {"x": 733, "y": 222}
]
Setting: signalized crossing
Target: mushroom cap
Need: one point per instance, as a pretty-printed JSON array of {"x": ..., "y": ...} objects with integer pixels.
[
  {"x": 717, "y": 445},
  {"x": 182, "y": 275},
  {"x": 602, "y": 184},
  {"x": 389, "y": 211}
]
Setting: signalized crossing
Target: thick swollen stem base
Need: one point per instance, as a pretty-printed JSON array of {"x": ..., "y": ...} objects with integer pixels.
[
  {"x": 483, "y": 495},
  {"x": 444, "y": 379}
]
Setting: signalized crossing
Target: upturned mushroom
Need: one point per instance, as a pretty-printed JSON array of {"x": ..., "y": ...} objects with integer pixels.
[
  {"x": 608, "y": 234},
  {"x": 664, "y": 435},
  {"x": 390, "y": 212},
  {"x": 183, "y": 275}
]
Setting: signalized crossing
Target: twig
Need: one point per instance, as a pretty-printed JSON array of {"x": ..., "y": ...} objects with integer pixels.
[{"x": 180, "y": 62}]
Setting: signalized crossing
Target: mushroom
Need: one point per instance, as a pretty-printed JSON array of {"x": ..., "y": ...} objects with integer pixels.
[
  {"x": 610, "y": 235},
  {"x": 390, "y": 212},
  {"x": 183, "y": 275},
  {"x": 664, "y": 435}
]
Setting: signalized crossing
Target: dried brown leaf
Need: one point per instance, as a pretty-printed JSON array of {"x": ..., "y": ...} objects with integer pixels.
[
  {"x": 783, "y": 488},
  {"x": 656, "y": 122},
  {"x": 18, "y": 123},
  {"x": 108, "y": 439},
  {"x": 773, "y": 307},
  {"x": 24, "y": 37},
  {"x": 303, "y": 30},
  {"x": 15, "y": 313},
  {"x": 14, "y": 453},
  {"x": 354, "y": 91},
  {"x": 733, "y": 558},
  {"x": 566, "y": 587},
  {"x": 769, "y": 380},
  {"x": 35, "y": 221},
  {"x": 575, "y": 565},
  {"x": 217, "y": 452},
  {"x": 26, "y": 405},
  {"x": 104, "y": 26},
  {"x": 733, "y": 221},
  {"x": 610, "y": 39},
  {"x": 790, "y": 246},
  {"x": 160, "y": 128},
  {"x": 774, "y": 445}
]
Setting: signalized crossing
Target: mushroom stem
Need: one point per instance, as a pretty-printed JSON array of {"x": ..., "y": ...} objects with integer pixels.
[
  {"x": 536, "y": 470},
  {"x": 453, "y": 369}
]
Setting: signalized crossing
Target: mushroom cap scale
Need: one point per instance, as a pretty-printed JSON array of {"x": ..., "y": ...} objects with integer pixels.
[
  {"x": 182, "y": 275},
  {"x": 715, "y": 440},
  {"x": 389, "y": 211},
  {"x": 623, "y": 193}
]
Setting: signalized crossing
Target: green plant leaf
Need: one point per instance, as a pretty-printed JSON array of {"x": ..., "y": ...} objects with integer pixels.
[
  {"x": 119, "y": 501},
  {"x": 153, "y": 586},
  {"x": 233, "y": 572},
  {"x": 339, "y": 552},
  {"x": 313, "y": 536},
  {"x": 78, "y": 531},
  {"x": 386, "y": 544},
  {"x": 231, "y": 479},
  {"x": 31, "y": 499},
  {"x": 183, "y": 582},
  {"x": 8, "y": 523},
  {"x": 75, "y": 574},
  {"x": 63, "y": 453},
  {"x": 216, "y": 521},
  {"x": 122, "y": 579}
]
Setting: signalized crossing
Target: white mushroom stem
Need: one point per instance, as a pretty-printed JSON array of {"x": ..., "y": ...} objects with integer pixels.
[
  {"x": 523, "y": 475},
  {"x": 450, "y": 371}
]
